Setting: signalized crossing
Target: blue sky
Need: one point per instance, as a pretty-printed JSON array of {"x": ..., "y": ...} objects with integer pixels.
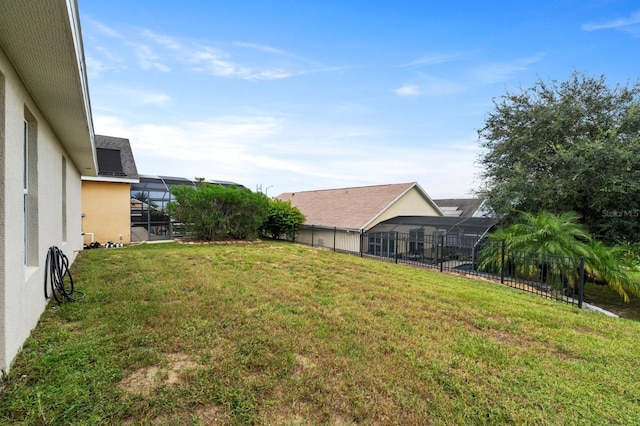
[{"x": 303, "y": 95}]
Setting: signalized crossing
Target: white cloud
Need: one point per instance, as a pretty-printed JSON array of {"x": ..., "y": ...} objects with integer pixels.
[
  {"x": 94, "y": 66},
  {"x": 216, "y": 62},
  {"x": 145, "y": 98},
  {"x": 408, "y": 90},
  {"x": 435, "y": 86},
  {"x": 435, "y": 59},
  {"x": 148, "y": 58},
  {"x": 621, "y": 23},
  {"x": 104, "y": 29},
  {"x": 130, "y": 96},
  {"x": 165, "y": 41},
  {"x": 502, "y": 71},
  {"x": 428, "y": 85},
  {"x": 259, "y": 149},
  {"x": 238, "y": 60},
  {"x": 261, "y": 47}
]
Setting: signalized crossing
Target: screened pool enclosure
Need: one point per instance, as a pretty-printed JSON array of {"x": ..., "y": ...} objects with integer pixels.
[
  {"x": 427, "y": 239},
  {"x": 149, "y": 199}
]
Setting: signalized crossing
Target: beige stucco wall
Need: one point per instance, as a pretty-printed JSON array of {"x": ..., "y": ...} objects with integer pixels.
[
  {"x": 324, "y": 237},
  {"x": 21, "y": 287},
  {"x": 107, "y": 211},
  {"x": 412, "y": 203}
]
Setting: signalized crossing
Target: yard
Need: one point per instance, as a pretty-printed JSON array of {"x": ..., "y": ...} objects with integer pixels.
[{"x": 277, "y": 333}]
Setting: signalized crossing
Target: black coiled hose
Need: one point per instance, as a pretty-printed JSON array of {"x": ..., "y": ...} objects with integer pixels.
[{"x": 56, "y": 269}]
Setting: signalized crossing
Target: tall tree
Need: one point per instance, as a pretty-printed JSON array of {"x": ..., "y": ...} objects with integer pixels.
[{"x": 569, "y": 146}]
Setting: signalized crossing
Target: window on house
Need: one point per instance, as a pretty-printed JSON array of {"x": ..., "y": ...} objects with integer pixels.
[
  {"x": 30, "y": 189},
  {"x": 25, "y": 188},
  {"x": 64, "y": 198},
  {"x": 109, "y": 162}
]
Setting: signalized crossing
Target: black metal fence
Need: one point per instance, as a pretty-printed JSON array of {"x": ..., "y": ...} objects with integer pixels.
[{"x": 555, "y": 277}]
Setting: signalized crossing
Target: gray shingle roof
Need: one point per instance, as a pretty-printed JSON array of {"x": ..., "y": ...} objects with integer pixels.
[
  {"x": 346, "y": 208},
  {"x": 459, "y": 207},
  {"x": 105, "y": 145}
]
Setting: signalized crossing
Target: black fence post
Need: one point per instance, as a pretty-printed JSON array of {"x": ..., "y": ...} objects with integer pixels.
[
  {"x": 473, "y": 259},
  {"x": 312, "y": 231},
  {"x": 502, "y": 245},
  {"x": 581, "y": 284},
  {"x": 395, "y": 250},
  {"x": 361, "y": 241},
  {"x": 441, "y": 252},
  {"x": 334, "y": 237},
  {"x": 148, "y": 215}
]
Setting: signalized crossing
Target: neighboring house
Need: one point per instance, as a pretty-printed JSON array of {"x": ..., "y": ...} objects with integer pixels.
[
  {"x": 106, "y": 198},
  {"x": 46, "y": 144},
  {"x": 335, "y": 218},
  {"x": 465, "y": 207}
]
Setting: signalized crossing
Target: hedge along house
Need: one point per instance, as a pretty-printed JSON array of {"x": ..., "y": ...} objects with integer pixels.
[
  {"x": 336, "y": 218},
  {"x": 106, "y": 198},
  {"x": 46, "y": 136}
]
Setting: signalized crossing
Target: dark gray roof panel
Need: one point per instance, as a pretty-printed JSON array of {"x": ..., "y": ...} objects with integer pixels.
[
  {"x": 105, "y": 147},
  {"x": 151, "y": 182},
  {"x": 477, "y": 225}
]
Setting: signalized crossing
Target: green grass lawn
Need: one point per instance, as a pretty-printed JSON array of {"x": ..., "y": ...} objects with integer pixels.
[{"x": 276, "y": 333}]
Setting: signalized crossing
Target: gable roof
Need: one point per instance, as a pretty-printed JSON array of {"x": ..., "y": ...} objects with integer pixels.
[
  {"x": 349, "y": 208},
  {"x": 115, "y": 160},
  {"x": 460, "y": 207},
  {"x": 43, "y": 41}
]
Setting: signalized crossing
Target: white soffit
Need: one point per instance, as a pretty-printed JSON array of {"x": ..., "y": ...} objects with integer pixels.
[{"x": 42, "y": 39}]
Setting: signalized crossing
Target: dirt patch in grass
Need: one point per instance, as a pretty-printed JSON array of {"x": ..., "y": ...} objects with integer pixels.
[
  {"x": 144, "y": 380},
  {"x": 178, "y": 364},
  {"x": 141, "y": 381},
  {"x": 302, "y": 364},
  {"x": 208, "y": 415}
]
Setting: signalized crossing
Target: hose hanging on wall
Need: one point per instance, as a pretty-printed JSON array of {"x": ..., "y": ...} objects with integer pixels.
[{"x": 56, "y": 268}]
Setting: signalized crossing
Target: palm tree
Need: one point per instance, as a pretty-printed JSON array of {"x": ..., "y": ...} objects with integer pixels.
[
  {"x": 561, "y": 235},
  {"x": 605, "y": 266}
]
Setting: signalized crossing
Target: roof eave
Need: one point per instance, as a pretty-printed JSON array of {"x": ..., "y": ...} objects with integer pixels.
[{"x": 53, "y": 70}]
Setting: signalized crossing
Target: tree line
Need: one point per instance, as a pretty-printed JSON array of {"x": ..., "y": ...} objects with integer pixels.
[{"x": 561, "y": 169}]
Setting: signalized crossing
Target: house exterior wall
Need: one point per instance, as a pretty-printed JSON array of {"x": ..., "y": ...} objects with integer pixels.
[
  {"x": 338, "y": 239},
  {"x": 107, "y": 211},
  {"x": 55, "y": 211},
  {"x": 412, "y": 203}
]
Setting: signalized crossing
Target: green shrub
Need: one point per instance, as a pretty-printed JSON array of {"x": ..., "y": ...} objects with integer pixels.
[
  {"x": 214, "y": 212},
  {"x": 283, "y": 219}
]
